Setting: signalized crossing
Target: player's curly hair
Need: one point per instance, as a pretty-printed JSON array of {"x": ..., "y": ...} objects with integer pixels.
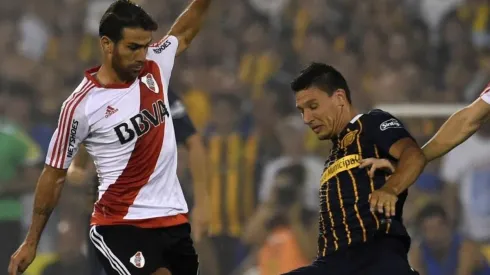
[{"x": 124, "y": 14}]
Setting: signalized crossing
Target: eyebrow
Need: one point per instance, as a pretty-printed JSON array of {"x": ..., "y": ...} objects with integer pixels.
[
  {"x": 140, "y": 45},
  {"x": 306, "y": 103}
]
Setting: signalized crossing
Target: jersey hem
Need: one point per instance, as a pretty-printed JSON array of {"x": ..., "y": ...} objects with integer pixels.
[{"x": 157, "y": 222}]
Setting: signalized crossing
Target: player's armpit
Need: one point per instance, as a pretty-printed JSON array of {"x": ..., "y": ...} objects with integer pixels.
[
  {"x": 78, "y": 170},
  {"x": 189, "y": 23}
]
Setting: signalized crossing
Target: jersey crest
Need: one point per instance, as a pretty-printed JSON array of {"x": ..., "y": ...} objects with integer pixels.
[{"x": 150, "y": 82}]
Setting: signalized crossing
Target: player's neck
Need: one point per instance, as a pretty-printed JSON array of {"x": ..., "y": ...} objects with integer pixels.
[
  {"x": 345, "y": 118},
  {"x": 107, "y": 76}
]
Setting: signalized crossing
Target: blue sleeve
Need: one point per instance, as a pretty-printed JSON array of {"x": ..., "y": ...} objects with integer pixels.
[{"x": 183, "y": 126}]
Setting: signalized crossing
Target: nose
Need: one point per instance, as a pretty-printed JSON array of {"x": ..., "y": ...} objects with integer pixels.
[
  {"x": 307, "y": 117},
  {"x": 141, "y": 55}
]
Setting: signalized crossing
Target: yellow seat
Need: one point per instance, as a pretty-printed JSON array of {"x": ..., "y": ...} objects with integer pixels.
[{"x": 40, "y": 263}]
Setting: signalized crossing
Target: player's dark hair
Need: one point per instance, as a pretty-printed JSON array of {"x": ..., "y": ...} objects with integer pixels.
[
  {"x": 323, "y": 77},
  {"x": 429, "y": 211},
  {"x": 124, "y": 14}
]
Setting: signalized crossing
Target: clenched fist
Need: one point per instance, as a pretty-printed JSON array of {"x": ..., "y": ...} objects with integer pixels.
[{"x": 22, "y": 258}]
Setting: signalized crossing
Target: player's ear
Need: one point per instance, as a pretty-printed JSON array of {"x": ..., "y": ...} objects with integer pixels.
[
  {"x": 340, "y": 97},
  {"x": 107, "y": 45}
]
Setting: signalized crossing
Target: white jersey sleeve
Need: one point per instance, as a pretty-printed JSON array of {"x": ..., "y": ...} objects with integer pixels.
[
  {"x": 485, "y": 95},
  {"x": 163, "y": 53},
  {"x": 72, "y": 130}
]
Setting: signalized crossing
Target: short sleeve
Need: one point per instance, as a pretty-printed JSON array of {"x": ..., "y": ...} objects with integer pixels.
[
  {"x": 485, "y": 95},
  {"x": 72, "y": 130},
  {"x": 384, "y": 130},
  {"x": 182, "y": 123},
  {"x": 163, "y": 53}
]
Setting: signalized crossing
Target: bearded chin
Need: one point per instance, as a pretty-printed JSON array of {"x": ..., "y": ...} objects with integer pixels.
[{"x": 121, "y": 73}]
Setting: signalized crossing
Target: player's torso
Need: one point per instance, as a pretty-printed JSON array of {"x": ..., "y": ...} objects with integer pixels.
[
  {"x": 130, "y": 126},
  {"x": 346, "y": 218},
  {"x": 351, "y": 185}
]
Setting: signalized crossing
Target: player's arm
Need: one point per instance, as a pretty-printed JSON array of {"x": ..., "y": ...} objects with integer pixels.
[
  {"x": 46, "y": 198},
  {"x": 391, "y": 137},
  {"x": 72, "y": 130},
  {"x": 459, "y": 127},
  {"x": 62, "y": 150},
  {"x": 189, "y": 23},
  {"x": 411, "y": 163}
]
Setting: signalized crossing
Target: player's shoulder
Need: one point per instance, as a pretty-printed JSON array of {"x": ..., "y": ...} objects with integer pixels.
[
  {"x": 88, "y": 96},
  {"x": 382, "y": 118},
  {"x": 169, "y": 43},
  {"x": 77, "y": 100},
  {"x": 375, "y": 115}
]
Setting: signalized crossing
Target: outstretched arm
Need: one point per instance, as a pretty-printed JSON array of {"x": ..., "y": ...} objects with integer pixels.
[
  {"x": 189, "y": 23},
  {"x": 459, "y": 127}
]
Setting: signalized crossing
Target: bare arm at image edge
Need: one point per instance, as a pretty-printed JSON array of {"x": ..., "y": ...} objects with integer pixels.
[
  {"x": 189, "y": 23},
  {"x": 458, "y": 128}
]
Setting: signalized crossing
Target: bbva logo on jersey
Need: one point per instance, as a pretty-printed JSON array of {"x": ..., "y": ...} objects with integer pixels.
[{"x": 141, "y": 123}]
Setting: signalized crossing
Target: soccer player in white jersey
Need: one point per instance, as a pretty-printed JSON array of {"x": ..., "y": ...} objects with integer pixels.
[{"x": 120, "y": 113}]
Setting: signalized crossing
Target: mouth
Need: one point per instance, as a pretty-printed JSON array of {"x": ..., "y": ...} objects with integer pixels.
[
  {"x": 137, "y": 68},
  {"x": 316, "y": 129}
]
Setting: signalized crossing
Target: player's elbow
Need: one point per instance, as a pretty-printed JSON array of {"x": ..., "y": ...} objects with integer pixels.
[
  {"x": 469, "y": 120},
  {"x": 408, "y": 150},
  {"x": 52, "y": 176},
  {"x": 472, "y": 117},
  {"x": 416, "y": 155},
  {"x": 413, "y": 155}
]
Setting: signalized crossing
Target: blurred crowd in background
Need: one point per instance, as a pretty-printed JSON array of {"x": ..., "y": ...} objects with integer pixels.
[{"x": 264, "y": 165}]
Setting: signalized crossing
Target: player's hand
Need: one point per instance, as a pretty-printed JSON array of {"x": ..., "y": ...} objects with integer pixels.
[
  {"x": 200, "y": 220},
  {"x": 384, "y": 200},
  {"x": 22, "y": 258},
  {"x": 374, "y": 164}
]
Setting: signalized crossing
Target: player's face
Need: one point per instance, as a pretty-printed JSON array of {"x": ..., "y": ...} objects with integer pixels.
[
  {"x": 320, "y": 111},
  {"x": 129, "y": 53}
]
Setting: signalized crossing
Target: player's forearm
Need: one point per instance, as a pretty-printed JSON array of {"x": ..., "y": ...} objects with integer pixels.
[
  {"x": 410, "y": 165},
  {"x": 197, "y": 163},
  {"x": 459, "y": 127},
  {"x": 46, "y": 198},
  {"x": 189, "y": 22}
]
